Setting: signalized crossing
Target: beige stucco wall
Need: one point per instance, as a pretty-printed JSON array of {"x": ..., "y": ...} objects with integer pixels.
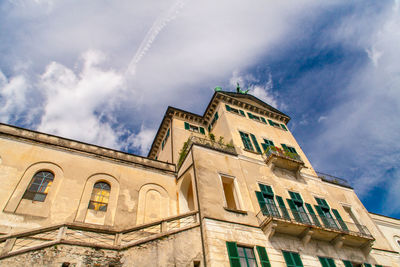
[
  {"x": 249, "y": 172},
  {"x": 68, "y": 197},
  {"x": 218, "y": 233},
  {"x": 390, "y": 227}
]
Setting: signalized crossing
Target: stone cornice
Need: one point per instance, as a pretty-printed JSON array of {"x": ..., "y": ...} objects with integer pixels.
[{"x": 16, "y": 133}]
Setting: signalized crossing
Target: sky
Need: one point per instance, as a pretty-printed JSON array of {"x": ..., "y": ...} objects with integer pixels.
[{"x": 104, "y": 72}]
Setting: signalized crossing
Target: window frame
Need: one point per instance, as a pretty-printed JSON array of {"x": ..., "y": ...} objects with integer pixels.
[
  {"x": 244, "y": 247},
  {"x": 249, "y": 141},
  {"x": 93, "y": 204},
  {"x": 236, "y": 192},
  {"x": 31, "y": 194}
]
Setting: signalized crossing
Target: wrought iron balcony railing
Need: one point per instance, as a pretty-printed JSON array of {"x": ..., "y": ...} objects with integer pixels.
[
  {"x": 273, "y": 150},
  {"x": 332, "y": 179},
  {"x": 271, "y": 212}
]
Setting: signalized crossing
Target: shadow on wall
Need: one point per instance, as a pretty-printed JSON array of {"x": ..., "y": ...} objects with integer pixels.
[{"x": 186, "y": 196}]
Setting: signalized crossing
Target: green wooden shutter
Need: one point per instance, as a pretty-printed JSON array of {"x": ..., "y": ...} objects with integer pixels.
[
  {"x": 281, "y": 203},
  {"x": 250, "y": 115},
  {"x": 262, "y": 254},
  {"x": 340, "y": 220},
  {"x": 261, "y": 202},
  {"x": 313, "y": 215},
  {"x": 347, "y": 263},
  {"x": 331, "y": 262},
  {"x": 327, "y": 262},
  {"x": 284, "y": 127},
  {"x": 264, "y": 146},
  {"x": 292, "y": 259},
  {"x": 367, "y": 265},
  {"x": 233, "y": 254},
  {"x": 202, "y": 130},
  {"x": 255, "y": 143},
  {"x": 271, "y": 122},
  {"x": 228, "y": 108},
  {"x": 246, "y": 141},
  {"x": 209, "y": 128},
  {"x": 263, "y": 120},
  {"x": 187, "y": 127},
  {"x": 378, "y": 265},
  {"x": 297, "y": 260},
  {"x": 285, "y": 147},
  {"x": 242, "y": 113},
  {"x": 288, "y": 258},
  {"x": 216, "y": 116},
  {"x": 322, "y": 216},
  {"x": 294, "y": 210}
]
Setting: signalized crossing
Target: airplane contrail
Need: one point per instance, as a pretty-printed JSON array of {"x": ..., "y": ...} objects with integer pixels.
[{"x": 152, "y": 34}]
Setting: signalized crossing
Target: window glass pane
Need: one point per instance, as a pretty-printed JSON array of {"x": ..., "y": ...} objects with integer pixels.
[
  {"x": 250, "y": 253},
  {"x": 241, "y": 251},
  {"x": 39, "y": 197},
  {"x": 252, "y": 263},
  {"x": 243, "y": 262}
]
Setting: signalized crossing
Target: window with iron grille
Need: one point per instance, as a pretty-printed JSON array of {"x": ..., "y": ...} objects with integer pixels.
[
  {"x": 100, "y": 196},
  {"x": 39, "y": 186}
]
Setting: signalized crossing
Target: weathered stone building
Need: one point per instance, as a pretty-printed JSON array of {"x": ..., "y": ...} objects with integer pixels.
[{"x": 231, "y": 187}]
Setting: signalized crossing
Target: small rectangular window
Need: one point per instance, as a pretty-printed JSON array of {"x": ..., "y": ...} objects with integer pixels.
[
  {"x": 246, "y": 141},
  {"x": 194, "y": 128},
  {"x": 231, "y": 199}
]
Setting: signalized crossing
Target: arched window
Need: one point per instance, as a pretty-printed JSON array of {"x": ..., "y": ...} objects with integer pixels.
[
  {"x": 100, "y": 195},
  {"x": 39, "y": 186}
]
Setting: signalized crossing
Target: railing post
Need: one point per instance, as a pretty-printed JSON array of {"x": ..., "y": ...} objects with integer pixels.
[
  {"x": 61, "y": 233},
  {"x": 164, "y": 226},
  {"x": 8, "y": 246},
  {"x": 117, "y": 239}
]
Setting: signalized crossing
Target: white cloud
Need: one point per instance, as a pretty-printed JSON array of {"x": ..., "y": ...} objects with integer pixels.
[
  {"x": 73, "y": 99},
  {"x": 14, "y": 100},
  {"x": 142, "y": 141},
  {"x": 363, "y": 132},
  {"x": 322, "y": 118}
]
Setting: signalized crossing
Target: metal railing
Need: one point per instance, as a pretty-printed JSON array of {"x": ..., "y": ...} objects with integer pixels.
[
  {"x": 219, "y": 146},
  {"x": 314, "y": 220},
  {"x": 90, "y": 236},
  {"x": 332, "y": 179},
  {"x": 273, "y": 150}
]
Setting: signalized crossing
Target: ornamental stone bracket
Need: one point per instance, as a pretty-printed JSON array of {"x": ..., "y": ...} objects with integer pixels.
[
  {"x": 337, "y": 242},
  {"x": 269, "y": 230},
  {"x": 306, "y": 235},
  {"x": 366, "y": 248}
]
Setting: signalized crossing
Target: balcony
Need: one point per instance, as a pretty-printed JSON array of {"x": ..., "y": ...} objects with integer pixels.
[
  {"x": 308, "y": 226},
  {"x": 218, "y": 146},
  {"x": 283, "y": 159}
]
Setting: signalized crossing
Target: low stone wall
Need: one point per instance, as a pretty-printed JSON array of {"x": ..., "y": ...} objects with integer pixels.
[{"x": 180, "y": 250}]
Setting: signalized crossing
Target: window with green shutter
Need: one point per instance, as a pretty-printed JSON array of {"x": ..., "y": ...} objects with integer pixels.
[
  {"x": 292, "y": 259},
  {"x": 246, "y": 141},
  {"x": 367, "y": 265},
  {"x": 266, "y": 144},
  {"x": 323, "y": 210},
  {"x": 284, "y": 127},
  {"x": 297, "y": 207},
  {"x": 241, "y": 256},
  {"x": 194, "y": 128},
  {"x": 213, "y": 121},
  {"x": 266, "y": 201},
  {"x": 235, "y": 110},
  {"x": 289, "y": 148},
  {"x": 262, "y": 254},
  {"x": 327, "y": 262}
]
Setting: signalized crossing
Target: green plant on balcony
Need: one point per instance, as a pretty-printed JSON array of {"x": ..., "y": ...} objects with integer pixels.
[
  {"x": 211, "y": 136},
  {"x": 183, "y": 152},
  {"x": 221, "y": 140}
]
